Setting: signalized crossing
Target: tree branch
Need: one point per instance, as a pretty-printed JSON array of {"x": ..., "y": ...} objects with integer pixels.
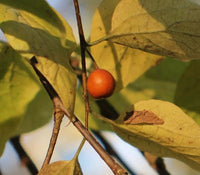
[{"x": 115, "y": 167}]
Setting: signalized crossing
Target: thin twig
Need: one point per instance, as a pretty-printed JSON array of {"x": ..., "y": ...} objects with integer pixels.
[
  {"x": 83, "y": 46},
  {"x": 114, "y": 166},
  {"x": 58, "y": 116},
  {"x": 25, "y": 159}
]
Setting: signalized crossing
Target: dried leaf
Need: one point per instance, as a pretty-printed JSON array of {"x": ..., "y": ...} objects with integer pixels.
[{"x": 142, "y": 117}]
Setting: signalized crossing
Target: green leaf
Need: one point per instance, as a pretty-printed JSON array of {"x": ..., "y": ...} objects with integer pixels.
[
  {"x": 125, "y": 64},
  {"x": 169, "y": 28},
  {"x": 62, "y": 168},
  {"x": 24, "y": 104},
  {"x": 188, "y": 91},
  {"x": 34, "y": 28},
  {"x": 178, "y": 137}
]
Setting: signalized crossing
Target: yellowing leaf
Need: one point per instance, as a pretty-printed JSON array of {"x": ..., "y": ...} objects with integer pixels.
[
  {"x": 34, "y": 28},
  {"x": 165, "y": 27},
  {"x": 125, "y": 64},
  {"x": 62, "y": 168},
  {"x": 188, "y": 91},
  {"x": 178, "y": 137},
  {"x": 24, "y": 105}
]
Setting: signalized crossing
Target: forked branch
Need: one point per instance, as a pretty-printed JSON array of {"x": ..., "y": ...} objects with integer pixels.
[{"x": 58, "y": 105}]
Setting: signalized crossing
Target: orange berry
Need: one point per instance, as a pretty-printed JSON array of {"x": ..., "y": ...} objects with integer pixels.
[{"x": 100, "y": 83}]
